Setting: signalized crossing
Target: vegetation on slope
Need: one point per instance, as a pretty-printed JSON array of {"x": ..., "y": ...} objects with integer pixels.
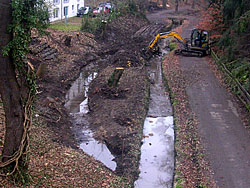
[{"x": 229, "y": 23}]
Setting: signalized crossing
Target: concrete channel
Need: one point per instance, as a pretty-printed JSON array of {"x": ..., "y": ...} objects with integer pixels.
[{"x": 157, "y": 151}]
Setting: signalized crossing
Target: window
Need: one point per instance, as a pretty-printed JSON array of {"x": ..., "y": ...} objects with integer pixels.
[
  {"x": 55, "y": 12},
  {"x": 65, "y": 1},
  {"x": 65, "y": 11},
  {"x": 56, "y": 2},
  {"x": 78, "y": 6},
  {"x": 73, "y": 8}
]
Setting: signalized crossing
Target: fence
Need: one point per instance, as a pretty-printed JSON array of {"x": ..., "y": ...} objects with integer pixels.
[{"x": 241, "y": 93}]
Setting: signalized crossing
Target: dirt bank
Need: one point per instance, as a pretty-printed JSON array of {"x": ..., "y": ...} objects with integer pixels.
[
  {"x": 57, "y": 75},
  {"x": 116, "y": 114}
]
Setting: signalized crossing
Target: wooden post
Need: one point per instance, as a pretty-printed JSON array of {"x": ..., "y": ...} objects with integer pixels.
[{"x": 115, "y": 77}]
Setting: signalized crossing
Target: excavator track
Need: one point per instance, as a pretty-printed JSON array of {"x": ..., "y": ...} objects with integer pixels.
[{"x": 191, "y": 53}]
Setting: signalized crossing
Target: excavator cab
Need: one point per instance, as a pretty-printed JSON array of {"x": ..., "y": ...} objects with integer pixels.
[{"x": 200, "y": 41}]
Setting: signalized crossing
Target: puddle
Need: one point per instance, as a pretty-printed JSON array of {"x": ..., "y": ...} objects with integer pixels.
[
  {"x": 78, "y": 92},
  {"x": 77, "y": 104},
  {"x": 157, "y": 151},
  {"x": 96, "y": 149}
]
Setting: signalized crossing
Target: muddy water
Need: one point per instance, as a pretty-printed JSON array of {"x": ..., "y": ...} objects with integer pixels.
[
  {"x": 77, "y": 104},
  {"x": 157, "y": 151}
]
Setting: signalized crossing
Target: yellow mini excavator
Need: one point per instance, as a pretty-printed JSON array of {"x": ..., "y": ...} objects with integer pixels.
[{"x": 197, "y": 45}]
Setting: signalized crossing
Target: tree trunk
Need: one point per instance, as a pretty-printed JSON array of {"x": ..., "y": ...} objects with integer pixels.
[
  {"x": 115, "y": 77},
  {"x": 9, "y": 89},
  {"x": 176, "y": 5},
  {"x": 193, "y": 4},
  {"x": 164, "y": 2},
  {"x": 158, "y": 2}
]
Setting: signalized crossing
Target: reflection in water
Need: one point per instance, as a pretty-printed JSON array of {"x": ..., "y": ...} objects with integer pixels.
[
  {"x": 157, "y": 153},
  {"x": 78, "y": 93},
  {"x": 77, "y": 104},
  {"x": 98, "y": 150}
]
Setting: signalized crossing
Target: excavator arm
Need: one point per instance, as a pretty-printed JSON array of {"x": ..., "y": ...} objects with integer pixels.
[{"x": 165, "y": 35}]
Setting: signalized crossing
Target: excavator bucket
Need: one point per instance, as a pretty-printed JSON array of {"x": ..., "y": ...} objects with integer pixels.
[{"x": 146, "y": 53}]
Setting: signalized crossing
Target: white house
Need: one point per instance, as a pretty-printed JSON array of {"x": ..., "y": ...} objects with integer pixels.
[{"x": 59, "y": 8}]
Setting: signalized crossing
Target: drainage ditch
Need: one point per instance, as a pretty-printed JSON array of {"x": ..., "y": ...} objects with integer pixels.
[
  {"x": 77, "y": 105},
  {"x": 157, "y": 151}
]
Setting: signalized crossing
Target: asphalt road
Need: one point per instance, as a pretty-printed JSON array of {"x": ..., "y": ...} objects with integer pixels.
[{"x": 224, "y": 137}]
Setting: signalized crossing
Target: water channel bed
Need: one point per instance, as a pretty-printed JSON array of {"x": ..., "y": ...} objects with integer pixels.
[
  {"x": 77, "y": 104},
  {"x": 157, "y": 153},
  {"x": 96, "y": 149}
]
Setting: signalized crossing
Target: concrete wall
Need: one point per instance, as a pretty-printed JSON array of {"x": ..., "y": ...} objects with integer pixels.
[{"x": 57, "y": 8}]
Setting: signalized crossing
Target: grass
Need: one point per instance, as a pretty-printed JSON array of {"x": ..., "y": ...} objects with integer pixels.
[
  {"x": 63, "y": 27},
  {"x": 73, "y": 24},
  {"x": 172, "y": 45}
]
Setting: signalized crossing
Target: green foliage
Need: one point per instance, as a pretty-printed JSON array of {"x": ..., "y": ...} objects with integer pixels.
[
  {"x": 234, "y": 41},
  {"x": 240, "y": 70},
  {"x": 179, "y": 182},
  {"x": 130, "y": 7},
  {"x": 243, "y": 23},
  {"x": 91, "y": 25},
  {"x": 233, "y": 9},
  {"x": 172, "y": 46}
]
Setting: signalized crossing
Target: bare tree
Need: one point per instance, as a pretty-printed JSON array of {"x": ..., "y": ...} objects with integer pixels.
[
  {"x": 158, "y": 2},
  {"x": 164, "y": 2},
  {"x": 193, "y": 3},
  {"x": 176, "y": 5}
]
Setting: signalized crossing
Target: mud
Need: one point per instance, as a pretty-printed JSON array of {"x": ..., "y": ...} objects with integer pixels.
[{"x": 116, "y": 115}]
